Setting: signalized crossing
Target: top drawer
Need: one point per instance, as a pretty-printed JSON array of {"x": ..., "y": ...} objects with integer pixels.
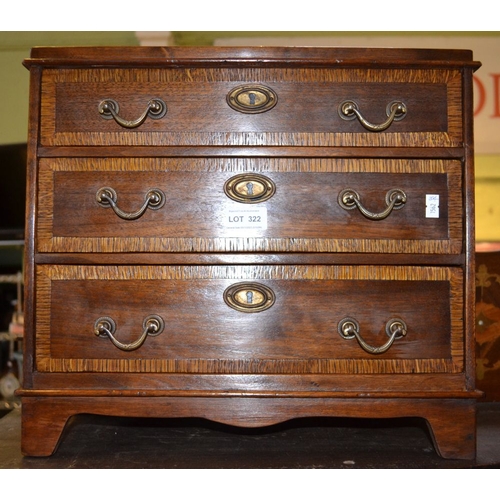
[{"x": 252, "y": 106}]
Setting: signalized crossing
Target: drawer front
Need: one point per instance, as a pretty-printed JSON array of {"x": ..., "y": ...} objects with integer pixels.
[
  {"x": 249, "y": 319},
  {"x": 251, "y": 106},
  {"x": 308, "y": 206}
]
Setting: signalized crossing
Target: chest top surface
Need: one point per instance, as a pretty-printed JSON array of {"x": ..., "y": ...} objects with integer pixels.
[{"x": 258, "y": 56}]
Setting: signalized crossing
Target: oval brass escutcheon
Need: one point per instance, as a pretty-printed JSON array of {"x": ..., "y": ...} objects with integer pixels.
[
  {"x": 252, "y": 98},
  {"x": 249, "y": 297},
  {"x": 249, "y": 188}
]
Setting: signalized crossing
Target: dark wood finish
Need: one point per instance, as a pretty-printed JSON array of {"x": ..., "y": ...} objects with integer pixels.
[
  {"x": 250, "y": 258},
  {"x": 304, "y": 106},
  {"x": 249, "y": 151},
  {"x": 306, "y": 113},
  {"x": 46, "y": 416},
  {"x": 303, "y": 214},
  {"x": 321, "y": 262},
  {"x": 265, "y": 340},
  {"x": 249, "y": 57}
]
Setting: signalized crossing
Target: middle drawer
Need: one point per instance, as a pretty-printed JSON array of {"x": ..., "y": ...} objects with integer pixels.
[{"x": 249, "y": 204}]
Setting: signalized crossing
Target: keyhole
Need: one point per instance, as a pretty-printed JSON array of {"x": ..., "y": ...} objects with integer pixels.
[
  {"x": 252, "y": 98},
  {"x": 249, "y": 297},
  {"x": 250, "y": 188}
]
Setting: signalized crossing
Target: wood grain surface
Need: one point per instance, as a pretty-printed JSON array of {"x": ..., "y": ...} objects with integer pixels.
[{"x": 319, "y": 262}]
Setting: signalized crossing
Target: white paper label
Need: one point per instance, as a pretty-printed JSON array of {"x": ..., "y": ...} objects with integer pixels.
[
  {"x": 432, "y": 206},
  {"x": 246, "y": 218}
]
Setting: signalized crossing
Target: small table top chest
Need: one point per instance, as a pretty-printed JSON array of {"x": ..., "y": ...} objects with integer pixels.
[{"x": 250, "y": 235}]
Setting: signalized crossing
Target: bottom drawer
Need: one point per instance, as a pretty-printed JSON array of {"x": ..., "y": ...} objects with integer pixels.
[{"x": 249, "y": 319}]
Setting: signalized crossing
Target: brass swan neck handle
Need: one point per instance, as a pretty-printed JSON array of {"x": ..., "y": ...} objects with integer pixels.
[
  {"x": 109, "y": 109},
  {"x": 106, "y": 327},
  {"x": 395, "y": 111},
  {"x": 348, "y": 328},
  {"x": 154, "y": 199},
  {"x": 395, "y": 199}
]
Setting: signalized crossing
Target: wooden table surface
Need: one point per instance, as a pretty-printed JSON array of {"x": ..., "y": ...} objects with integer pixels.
[{"x": 91, "y": 442}]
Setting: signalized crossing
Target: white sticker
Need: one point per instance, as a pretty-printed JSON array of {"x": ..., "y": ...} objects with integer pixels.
[
  {"x": 432, "y": 206},
  {"x": 245, "y": 218}
]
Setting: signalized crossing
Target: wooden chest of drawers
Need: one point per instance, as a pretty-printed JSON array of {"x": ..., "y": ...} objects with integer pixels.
[{"x": 250, "y": 236}]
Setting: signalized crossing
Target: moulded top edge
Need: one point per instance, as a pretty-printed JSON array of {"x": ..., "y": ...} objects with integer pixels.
[{"x": 248, "y": 56}]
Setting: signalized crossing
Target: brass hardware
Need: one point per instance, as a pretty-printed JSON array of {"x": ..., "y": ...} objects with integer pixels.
[
  {"x": 394, "y": 199},
  {"x": 106, "y": 327},
  {"x": 252, "y": 98},
  {"x": 249, "y": 297},
  {"x": 396, "y": 327},
  {"x": 395, "y": 111},
  {"x": 348, "y": 329},
  {"x": 107, "y": 197},
  {"x": 249, "y": 188},
  {"x": 109, "y": 109}
]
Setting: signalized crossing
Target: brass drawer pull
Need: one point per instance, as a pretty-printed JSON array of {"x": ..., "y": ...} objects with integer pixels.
[
  {"x": 394, "y": 198},
  {"x": 395, "y": 111},
  {"x": 106, "y": 327},
  {"x": 109, "y": 109},
  {"x": 395, "y": 329},
  {"x": 249, "y": 188},
  {"x": 107, "y": 197},
  {"x": 249, "y": 297}
]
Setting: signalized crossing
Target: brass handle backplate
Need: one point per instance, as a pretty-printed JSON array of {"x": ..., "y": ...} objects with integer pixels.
[
  {"x": 395, "y": 111},
  {"x": 106, "y": 327},
  {"x": 249, "y": 297},
  {"x": 348, "y": 329},
  {"x": 394, "y": 198},
  {"x": 249, "y": 188},
  {"x": 109, "y": 109},
  {"x": 106, "y": 197}
]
